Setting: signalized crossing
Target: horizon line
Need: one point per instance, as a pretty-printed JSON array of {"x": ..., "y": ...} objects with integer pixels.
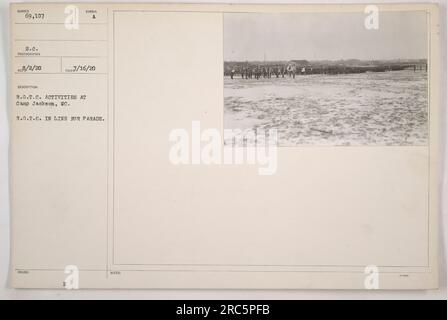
[{"x": 316, "y": 60}]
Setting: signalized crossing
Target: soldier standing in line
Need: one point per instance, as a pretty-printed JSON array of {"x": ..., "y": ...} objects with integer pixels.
[{"x": 232, "y": 73}]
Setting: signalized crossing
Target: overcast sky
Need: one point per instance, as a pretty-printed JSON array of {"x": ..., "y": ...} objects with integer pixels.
[{"x": 321, "y": 36}]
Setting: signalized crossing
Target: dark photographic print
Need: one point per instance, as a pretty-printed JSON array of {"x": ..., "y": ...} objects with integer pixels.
[{"x": 327, "y": 78}]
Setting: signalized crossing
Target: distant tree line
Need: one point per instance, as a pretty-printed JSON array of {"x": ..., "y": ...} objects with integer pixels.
[{"x": 257, "y": 70}]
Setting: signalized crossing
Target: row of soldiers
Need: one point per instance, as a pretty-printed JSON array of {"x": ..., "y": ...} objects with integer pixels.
[{"x": 266, "y": 72}]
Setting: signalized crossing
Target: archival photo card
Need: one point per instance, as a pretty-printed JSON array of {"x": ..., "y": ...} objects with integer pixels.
[{"x": 131, "y": 134}]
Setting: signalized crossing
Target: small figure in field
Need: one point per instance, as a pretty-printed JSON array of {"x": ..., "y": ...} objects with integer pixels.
[
  {"x": 258, "y": 73},
  {"x": 291, "y": 69},
  {"x": 232, "y": 73}
]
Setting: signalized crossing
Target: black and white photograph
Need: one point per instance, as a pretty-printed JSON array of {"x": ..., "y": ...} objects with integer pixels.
[{"x": 336, "y": 79}]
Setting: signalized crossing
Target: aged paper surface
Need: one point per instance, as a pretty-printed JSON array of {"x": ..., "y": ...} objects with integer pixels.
[{"x": 123, "y": 176}]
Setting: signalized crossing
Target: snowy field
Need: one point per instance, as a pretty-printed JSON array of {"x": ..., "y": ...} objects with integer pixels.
[{"x": 383, "y": 108}]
